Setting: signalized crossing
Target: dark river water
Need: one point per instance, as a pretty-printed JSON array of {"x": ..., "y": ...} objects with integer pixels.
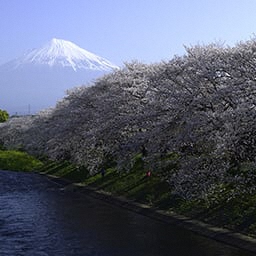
[{"x": 38, "y": 218}]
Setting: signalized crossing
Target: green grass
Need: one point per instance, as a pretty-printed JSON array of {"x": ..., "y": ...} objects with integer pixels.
[
  {"x": 18, "y": 161},
  {"x": 64, "y": 170},
  {"x": 133, "y": 184}
]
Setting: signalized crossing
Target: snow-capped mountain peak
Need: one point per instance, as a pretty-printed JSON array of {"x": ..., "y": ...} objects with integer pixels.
[{"x": 64, "y": 53}]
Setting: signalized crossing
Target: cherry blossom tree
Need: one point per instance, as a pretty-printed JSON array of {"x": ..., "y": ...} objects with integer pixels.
[{"x": 192, "y": 119}]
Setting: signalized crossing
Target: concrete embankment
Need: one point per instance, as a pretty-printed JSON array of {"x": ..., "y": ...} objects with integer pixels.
[{"x": 219, "y": 234}]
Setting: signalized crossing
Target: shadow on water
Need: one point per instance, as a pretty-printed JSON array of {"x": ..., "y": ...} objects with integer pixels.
[{"x": 38, "y": 218}]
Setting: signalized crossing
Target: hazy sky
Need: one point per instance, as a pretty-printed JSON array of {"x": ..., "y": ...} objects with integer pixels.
[{"x": 124, "y": 30}]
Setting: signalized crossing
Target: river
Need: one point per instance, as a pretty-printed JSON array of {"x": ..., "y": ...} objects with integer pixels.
[{"x": 38, "y": 218}]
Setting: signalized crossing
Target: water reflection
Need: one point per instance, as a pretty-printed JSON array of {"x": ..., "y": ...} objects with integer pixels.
[{"x": 38, "y": 218}]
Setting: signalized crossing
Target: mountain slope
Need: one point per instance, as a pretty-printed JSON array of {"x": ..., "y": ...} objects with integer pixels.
[
  {"x": 40, "y": 77},
  {"x": 67, "y": 54}
]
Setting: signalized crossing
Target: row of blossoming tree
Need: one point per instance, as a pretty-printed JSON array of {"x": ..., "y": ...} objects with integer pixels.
[{"x": 192, "y": 118}]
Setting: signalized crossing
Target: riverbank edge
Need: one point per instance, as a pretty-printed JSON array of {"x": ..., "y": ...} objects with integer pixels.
[{"x": 226, "y": 236}]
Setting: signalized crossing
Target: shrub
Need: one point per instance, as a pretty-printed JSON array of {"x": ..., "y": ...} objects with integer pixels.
[
  {"x": 18, "y": 161},
  {"x": 3, "y": 116}
]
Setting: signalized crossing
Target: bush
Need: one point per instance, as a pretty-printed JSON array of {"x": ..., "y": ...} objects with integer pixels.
[
  {"x": 3, "y": 116},
  {"x": 18, "y": 161}
]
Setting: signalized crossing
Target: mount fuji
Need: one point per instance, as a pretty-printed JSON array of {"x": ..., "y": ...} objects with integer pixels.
[{"x": 39, "y": 78}]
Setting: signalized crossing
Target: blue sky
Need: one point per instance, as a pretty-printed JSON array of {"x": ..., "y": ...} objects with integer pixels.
[{"x": 122, "y": 31}]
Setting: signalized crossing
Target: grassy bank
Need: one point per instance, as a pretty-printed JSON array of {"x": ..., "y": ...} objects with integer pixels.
[
  {"x": 238, "y": 214},
  {"x": 133, "y": 184},
  {"x": 18, "y": 161}
]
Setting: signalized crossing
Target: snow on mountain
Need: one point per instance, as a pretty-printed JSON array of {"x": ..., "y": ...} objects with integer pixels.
[
  {"x": 41, "y": 77},
  {"x": 60, "y": 52}
]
